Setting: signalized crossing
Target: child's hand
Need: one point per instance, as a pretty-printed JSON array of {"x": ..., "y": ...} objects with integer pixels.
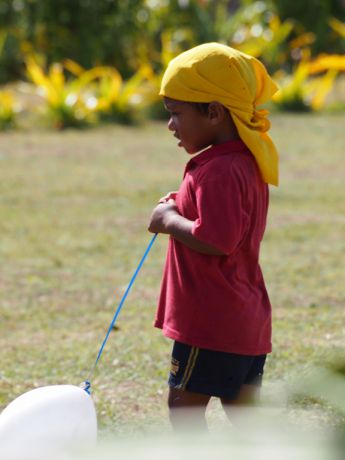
[
  {"x": 169, "y": 196},
  {"x": 162, "y": 216}
]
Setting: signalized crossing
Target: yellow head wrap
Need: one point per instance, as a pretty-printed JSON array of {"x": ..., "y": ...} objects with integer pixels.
[{"x": 214, "y": 72}]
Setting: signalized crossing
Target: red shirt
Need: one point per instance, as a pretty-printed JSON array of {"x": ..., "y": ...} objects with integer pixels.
[{"x": 219, "y": 302}]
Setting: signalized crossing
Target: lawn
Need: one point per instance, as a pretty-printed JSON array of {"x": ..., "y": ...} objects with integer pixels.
[{"x": 74, "y": 208}]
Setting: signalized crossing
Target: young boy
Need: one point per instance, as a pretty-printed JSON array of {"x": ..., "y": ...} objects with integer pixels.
[{"x": 213, "y": 300}]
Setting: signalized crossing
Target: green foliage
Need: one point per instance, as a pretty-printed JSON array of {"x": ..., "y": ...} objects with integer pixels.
[
  {"x": 65, "y": 101},
  {"x": 121, "y": 33},
  {"x": 137, "y": 38},
  {"x": 267, "y": 40},
  {"x": 7, "y": 110},
  {"x": 305, "y": 89},
  {"x": 75, "y": 97},
  {"x": 124, "y": 104},
  {"x": 314, "y": 16},
  {"x": 88, "y": 32}
]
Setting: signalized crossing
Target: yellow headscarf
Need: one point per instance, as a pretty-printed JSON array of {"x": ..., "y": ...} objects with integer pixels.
[{"x": 214, "y": 72}]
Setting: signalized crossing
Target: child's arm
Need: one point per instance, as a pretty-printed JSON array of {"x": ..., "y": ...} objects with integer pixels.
[{"x": 166, "y": 219}]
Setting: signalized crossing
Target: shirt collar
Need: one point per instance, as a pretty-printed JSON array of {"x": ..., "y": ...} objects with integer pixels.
[{"x": 225, "y": 148}]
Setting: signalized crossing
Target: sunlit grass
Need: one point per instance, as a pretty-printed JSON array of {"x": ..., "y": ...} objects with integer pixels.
[{"x": 73, "y": 218}]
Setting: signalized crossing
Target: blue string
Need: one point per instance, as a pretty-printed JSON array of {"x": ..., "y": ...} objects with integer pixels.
[
  {"x": 87, "y": 387},
  {"x": 87, "y": 382}
]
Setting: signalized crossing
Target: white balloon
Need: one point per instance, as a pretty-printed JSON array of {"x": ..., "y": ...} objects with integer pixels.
[{"x": 57, "y": 417}]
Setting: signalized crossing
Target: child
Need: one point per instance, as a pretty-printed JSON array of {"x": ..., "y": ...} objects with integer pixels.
[{"x": 213, "y": 300}]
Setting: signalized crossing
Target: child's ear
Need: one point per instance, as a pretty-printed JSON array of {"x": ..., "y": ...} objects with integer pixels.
[{"x": 216, "y": 112}]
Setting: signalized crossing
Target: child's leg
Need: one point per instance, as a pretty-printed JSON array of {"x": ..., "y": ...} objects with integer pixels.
[
  {"x": 187, "y": 410},
  {"x": 197, "y": 374},
  {"x": 248, "y": 395},
  {"x": 187, "y": 406},
  {"x": 239, "y": 410}
]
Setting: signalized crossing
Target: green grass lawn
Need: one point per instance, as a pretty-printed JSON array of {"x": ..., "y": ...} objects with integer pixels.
[{"x": 74, "y": 208}]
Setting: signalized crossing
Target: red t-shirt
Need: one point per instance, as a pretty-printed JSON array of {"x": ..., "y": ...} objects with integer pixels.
[{"x": 219, "y": 302}]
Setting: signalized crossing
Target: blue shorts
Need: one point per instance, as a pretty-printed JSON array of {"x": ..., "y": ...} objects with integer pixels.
[{"x": 213, "y": 373}]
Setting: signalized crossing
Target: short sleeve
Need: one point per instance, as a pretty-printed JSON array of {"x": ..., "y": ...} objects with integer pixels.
[{"x": 222, "y": 218}]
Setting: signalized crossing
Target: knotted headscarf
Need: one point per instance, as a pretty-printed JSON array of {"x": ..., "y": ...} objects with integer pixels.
[{"x": 215, "y": 72}]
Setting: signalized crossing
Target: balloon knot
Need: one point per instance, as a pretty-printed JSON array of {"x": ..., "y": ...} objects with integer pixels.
[{"x": 87, "y": 387}]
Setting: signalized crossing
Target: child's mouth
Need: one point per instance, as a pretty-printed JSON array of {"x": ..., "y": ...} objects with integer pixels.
[{"x": 179, "y": 140}]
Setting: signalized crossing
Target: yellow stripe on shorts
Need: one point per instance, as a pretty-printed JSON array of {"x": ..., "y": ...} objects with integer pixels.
[{"x": 189, "y": 368}]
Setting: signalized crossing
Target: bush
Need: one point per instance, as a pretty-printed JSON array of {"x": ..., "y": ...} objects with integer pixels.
[
  {"x": 120, "y": 33},
  {"x": 314, "y": 16},
  {"x": 7, "y": 110}
]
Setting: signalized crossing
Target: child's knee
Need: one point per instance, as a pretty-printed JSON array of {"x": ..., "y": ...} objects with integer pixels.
[
  {"x": 173, "y": 398},
  {"x": 180, "y": 398},
  {"x": 247, "y": 396}
]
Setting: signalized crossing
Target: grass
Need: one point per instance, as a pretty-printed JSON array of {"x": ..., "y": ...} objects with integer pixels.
[{"x": 73, "y": 217}]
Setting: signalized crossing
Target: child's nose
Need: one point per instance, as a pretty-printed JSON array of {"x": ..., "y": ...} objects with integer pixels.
[{"x": 171, "y": 125}]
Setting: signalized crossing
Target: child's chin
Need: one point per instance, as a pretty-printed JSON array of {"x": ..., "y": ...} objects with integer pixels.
[
  {"x": 193, "y": 151},
  {"x": 190, "y": 150}
]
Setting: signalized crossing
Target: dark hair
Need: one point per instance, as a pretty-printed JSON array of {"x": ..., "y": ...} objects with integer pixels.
[{"x": 202, "y": 107}]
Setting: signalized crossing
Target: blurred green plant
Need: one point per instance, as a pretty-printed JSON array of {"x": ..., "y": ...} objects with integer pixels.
[
  {"x": 169, "y": 49},
  {"x": 302, "y": 90},
  {"x": 65, "y": 104},
  {"x": 7, "y": 102},
  {"x": 86, "y": 96},
  {"x": 115, "y": 33},
  {"x": 148, "y": 33},
  {"x": 8, "y": 110},
  {"x": 313, "y": 16},
  {"x": 266, "y": 39},
  {"x": 123, "y": 103},
  {"x": 109, "y": 96},
  {"x": 337, "y": 26},
  {"x": 3, "y": 35}
]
